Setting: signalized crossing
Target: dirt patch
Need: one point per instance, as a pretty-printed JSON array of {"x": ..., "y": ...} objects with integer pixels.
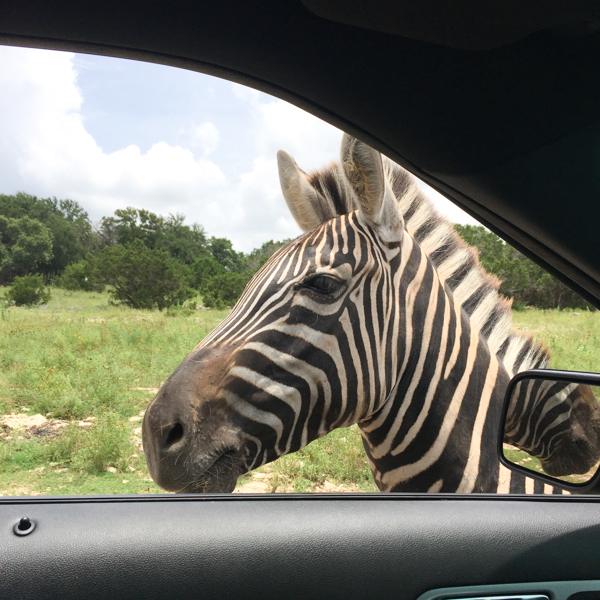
[
  {"x": 253, "y": 487},
  {"x": 30, "y": 425},
  {"x": 35, "y": 425},
  {"x": 333, "y": 488},
  {"x": 19, "y": 491},
  {"x": 262, "y": 483}
]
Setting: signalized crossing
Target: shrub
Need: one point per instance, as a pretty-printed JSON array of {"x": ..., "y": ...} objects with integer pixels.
[
  {"x": 141, "y": 277},
  {"x": 203, "y": 269},
  {"x": 223, "y": 290},
  {"x": 92, "y": 449},
  {"x": 184, "y": 310},
  {"x": 28, "y": 291},
  {"x": 79, "y": 276}
]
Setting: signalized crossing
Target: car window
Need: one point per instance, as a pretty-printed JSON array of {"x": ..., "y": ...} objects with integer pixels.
[{"x": 138, "y": 202}]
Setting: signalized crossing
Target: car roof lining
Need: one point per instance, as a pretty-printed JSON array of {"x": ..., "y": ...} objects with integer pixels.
[{"x": 490, "y": 24}]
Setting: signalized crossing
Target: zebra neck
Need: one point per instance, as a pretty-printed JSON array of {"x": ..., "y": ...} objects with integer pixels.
[{"x": 437, "y": 429}]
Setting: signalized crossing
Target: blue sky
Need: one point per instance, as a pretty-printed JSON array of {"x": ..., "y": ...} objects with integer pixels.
[{"x": 111, "y": 133}]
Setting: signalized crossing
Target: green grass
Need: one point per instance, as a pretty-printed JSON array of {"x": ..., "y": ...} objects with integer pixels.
[
  {"x": 77, "y": 358},
  {"x": 80, "y": 358},
  {"x": 572, "y": 336},
  {"x": 336, "y": 460}
]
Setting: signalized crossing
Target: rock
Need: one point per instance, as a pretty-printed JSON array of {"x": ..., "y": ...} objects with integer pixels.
[
  {"x": 21, "y": 420},
  {"x": 110, "y": 469}
]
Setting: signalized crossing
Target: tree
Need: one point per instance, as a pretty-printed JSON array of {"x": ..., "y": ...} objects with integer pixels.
[
  {"x": 107, "y": 233},
  {"x": 182, "y": 241},
  {"x": 224, "y": 289},
  {"x": 203, "y": 269},
  {"x": 25, "y": 246},
  {"x": 223, "y": 252},
  {"x": 134, "y": 224},
  {"x": 67, "y": 221},
  {"x": 522, "y": 279},
  {"x": 142, "y": 277},
  {"x": 259, "y": 256}
]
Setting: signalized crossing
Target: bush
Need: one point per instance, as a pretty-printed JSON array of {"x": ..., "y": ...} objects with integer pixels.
[
  {"x": 223, "y": 290},
  {"x": 28, "y": 291},
  {"x": 141, "y": 277},
  {"x": 184, "y": 310},
  {"x": 79, "y": 276},
  {"x": 104, "y": 443},
  {"x": 203, "y": 269}
]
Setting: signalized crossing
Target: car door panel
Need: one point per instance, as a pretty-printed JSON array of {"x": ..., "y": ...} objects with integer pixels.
[{"x": 370, "y": 546}]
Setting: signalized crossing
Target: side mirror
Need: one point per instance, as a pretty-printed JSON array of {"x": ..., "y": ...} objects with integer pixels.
[{"x": 550, "y": 428}]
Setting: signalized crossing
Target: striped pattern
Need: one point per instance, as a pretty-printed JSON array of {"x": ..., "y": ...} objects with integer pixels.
[
  {"x": 378, "y": 315},
  {"x": 556, "y": 422}
]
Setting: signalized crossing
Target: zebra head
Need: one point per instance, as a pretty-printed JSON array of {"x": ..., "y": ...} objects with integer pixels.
[{"x": 275, "y": 374}]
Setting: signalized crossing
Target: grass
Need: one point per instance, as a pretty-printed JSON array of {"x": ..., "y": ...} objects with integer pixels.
[
  {"x": 572, "y": 336},
  {"x": 79, "y": 358}
]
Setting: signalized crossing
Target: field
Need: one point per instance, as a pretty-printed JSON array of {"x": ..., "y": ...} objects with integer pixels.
[{"x": 77, "y": 375}]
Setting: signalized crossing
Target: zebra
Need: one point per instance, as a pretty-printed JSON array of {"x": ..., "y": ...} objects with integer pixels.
[
  {"x": 556, "y": 422},
  {"x": 377, "y": 315}
]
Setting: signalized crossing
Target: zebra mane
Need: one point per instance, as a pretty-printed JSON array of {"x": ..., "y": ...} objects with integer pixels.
[{"x": 457, "y": 264}]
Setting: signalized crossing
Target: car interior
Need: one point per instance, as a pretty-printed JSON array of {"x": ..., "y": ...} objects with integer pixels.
[{"x": 496, "y": 106}]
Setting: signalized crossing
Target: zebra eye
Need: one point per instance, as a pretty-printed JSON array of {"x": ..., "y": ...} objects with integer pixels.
[{"x": 323, "y": 284}]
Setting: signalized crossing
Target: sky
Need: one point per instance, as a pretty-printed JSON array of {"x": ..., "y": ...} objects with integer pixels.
[{"x": 111, "y": 133}]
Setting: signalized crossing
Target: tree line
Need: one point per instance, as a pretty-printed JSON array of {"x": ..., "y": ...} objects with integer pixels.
[
  {"x": 150, "y": 261},
  {"x": 522, "y": 280}
]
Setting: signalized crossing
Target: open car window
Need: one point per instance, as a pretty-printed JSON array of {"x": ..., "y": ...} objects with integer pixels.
[{"x": 114, "y": 171}]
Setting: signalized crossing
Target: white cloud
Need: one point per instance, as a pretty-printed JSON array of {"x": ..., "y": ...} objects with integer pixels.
[
  {"x": 262, "y": 213},
  {"x": 312, "y": 142},
  {"x": 46, "y": 150},
  {"x": 447, "y": 208},
  {"x": 205, "y": 136}
]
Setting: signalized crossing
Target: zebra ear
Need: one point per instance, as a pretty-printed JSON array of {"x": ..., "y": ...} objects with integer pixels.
[
  {"x": 364, "y": 171},
  {"x": 301, "y": 197}
]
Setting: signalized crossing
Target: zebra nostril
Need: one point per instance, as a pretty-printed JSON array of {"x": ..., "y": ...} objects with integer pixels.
[{"x": 174, "y": 435}]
